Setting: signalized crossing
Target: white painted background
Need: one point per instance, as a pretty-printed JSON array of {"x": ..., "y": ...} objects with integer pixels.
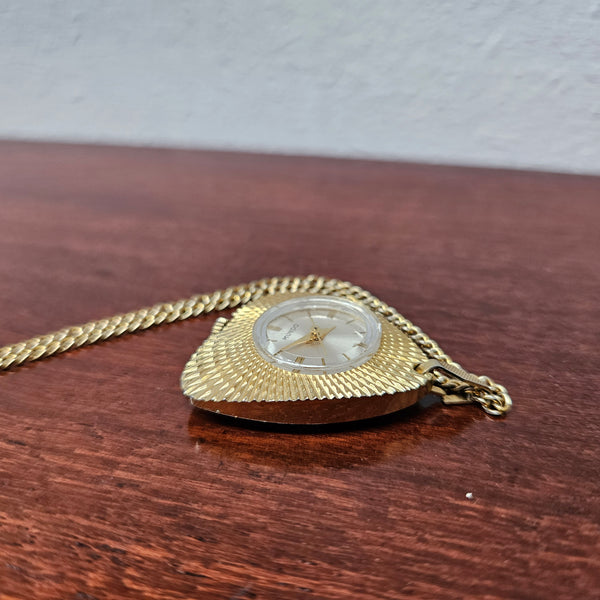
[{"x": 514, "y": 83}]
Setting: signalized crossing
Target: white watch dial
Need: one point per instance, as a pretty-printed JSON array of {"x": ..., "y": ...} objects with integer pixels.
[{"x": 317, "y": 334}]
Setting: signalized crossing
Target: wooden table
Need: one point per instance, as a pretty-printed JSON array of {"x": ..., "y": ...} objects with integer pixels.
[{"x": 112, "y": 487}]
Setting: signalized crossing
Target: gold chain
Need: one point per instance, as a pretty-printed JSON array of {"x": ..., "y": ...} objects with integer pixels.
[{"x": 491, "y": 396}]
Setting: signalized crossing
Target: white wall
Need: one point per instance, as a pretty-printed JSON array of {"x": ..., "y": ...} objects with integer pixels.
[{"x": 514, "y": 83}]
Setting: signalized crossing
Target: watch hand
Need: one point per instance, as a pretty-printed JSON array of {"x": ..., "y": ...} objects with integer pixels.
[
  {"x": 309, "y": 337},
  {"x": 322, "y": 333}
]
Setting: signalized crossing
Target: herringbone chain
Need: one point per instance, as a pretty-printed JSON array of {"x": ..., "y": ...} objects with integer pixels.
[{"x": 494, "y": 400}]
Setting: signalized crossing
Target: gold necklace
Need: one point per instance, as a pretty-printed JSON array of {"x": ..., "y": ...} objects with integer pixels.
[{"x": 296, "y": 350}]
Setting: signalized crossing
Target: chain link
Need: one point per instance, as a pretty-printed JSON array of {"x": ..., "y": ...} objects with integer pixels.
[{"x": 496, "y": 402}]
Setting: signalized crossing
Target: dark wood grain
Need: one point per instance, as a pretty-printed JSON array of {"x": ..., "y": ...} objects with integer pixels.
[{"x": 112, "y": 487}]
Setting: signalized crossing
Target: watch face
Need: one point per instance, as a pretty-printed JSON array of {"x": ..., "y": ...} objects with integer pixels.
[{"x": 317, "y": 334}]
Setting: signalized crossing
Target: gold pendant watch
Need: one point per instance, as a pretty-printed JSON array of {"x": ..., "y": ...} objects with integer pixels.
[
  {"x": 299, "y": 357},
  {"x": 296, "y": 350},
  {"x": 293, "y": 358}
]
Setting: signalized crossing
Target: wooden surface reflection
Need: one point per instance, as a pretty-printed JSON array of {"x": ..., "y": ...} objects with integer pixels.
[
  {"x": 111, "y": 486},
  {"x": 302, "y": 448}
]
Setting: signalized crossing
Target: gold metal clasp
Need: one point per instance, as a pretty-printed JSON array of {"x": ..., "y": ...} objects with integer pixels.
[
  {"x": 457, "y": 372},
  {"x": 451, "y": 399},
  {"x": 468, "y": 380}
]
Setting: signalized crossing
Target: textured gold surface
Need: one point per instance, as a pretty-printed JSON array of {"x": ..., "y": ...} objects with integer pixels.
[{"x": 227, "y": 367}]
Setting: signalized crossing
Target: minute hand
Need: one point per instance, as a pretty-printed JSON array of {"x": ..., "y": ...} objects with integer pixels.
[
  {"x": 323, "y": 333},
  {"x": 309, "y": 337}
]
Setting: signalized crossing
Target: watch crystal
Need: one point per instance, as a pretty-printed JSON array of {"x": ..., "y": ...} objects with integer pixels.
[{"x": 317, "y": 334}]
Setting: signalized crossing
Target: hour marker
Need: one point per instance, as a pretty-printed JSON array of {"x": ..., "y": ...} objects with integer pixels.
[
  {"x": 323, "y": 362},
  {"x": 361, "y": 345},
  {"x": 286, "y": 317},
  {"x": 273, "y": 327},
  {"x": 345, "y": 356},
  {"x": 350, "y": 321},
  {"x": 299, "y": 359},
  {"x": 331, "y": 314}
]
